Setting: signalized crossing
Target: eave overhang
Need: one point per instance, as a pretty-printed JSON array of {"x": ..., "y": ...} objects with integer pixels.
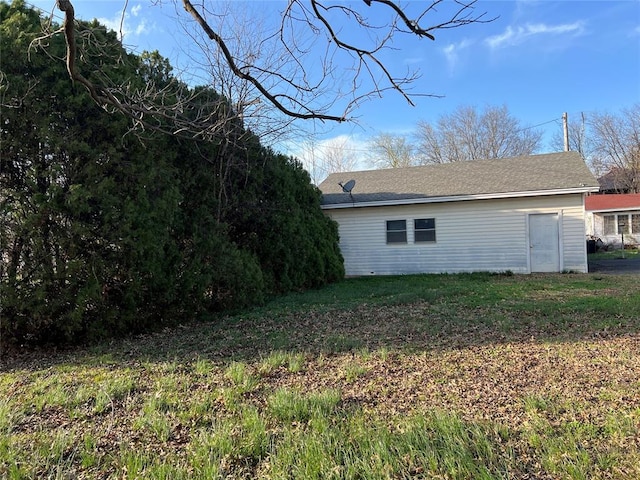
[
  {"x": 613, "y": 210},
  {"x": 459, "y": 198}
]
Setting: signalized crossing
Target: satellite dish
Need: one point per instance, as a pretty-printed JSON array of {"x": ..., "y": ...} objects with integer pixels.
[{"x": 347, "y": 187}]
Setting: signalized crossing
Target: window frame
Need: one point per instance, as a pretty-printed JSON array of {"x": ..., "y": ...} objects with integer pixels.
[
  {"x": 613, "y": 224},
  {"x": 428, "y": 231},
  {"x": 401, "y": 233},
  {"x": 635, "y": 223}
]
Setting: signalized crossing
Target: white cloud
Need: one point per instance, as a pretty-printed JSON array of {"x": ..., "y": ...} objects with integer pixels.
[
  {"x": 516, "y": 35},
  {"x": 452, "y": 52},
  {"x": 142, "y": 28},
  {"x": 114, "y": 23},
  {"x": 124, "y": 25}
]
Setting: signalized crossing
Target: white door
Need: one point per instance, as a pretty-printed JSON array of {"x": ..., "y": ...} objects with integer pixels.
[{"x": 544, "y": 243}]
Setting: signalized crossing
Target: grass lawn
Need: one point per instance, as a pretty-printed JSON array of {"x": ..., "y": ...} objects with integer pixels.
[
  {"x": 618, "y": 253},
  {"x": 455, "y": 376}
]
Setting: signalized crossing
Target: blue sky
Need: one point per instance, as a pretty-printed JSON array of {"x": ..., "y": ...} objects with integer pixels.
[{"x": 540, "y": 58}]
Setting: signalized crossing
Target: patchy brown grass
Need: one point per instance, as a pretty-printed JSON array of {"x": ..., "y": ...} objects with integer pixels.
[{"x": 549, "y": 384}]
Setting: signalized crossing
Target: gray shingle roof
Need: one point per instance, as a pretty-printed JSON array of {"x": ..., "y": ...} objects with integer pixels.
[{"x": 533, "y": 173}]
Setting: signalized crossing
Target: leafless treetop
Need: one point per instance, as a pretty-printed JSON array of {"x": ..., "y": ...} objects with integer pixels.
[{"x": 320, "y": 60}]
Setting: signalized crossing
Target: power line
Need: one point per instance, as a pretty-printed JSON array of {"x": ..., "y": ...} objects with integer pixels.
[
  {"x": 539, "y": 124},
  {"x": 52, "y": 15}
]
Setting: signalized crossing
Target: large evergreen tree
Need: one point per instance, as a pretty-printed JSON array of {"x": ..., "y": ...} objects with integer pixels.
[{"x": 107, "y": 230}]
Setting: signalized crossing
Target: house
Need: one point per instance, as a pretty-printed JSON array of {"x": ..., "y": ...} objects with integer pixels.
[
  {"x": 522, "y": 214},
  {"x": 614, "y": 218},
  {"x": 619, "y": 180}
]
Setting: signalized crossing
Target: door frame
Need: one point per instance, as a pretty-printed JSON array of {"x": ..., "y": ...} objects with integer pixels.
[{"x": 558, "y": 214}]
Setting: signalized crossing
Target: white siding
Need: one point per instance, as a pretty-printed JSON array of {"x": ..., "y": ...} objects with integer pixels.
[{"x": 482, "y": 235}]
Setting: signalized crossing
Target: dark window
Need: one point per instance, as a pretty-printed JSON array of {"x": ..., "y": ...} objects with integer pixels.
[
  {"x": 635, "y": 223},
  {"x": 609, "y": 224},
  {"x": 425, "y": 230},
  {"x": 396, "y": 231}
]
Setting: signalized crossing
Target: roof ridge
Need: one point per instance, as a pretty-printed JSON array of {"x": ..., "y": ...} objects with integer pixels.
[
  {"x": 458, "y": 163},
  {"x": 524, "y": 173}
]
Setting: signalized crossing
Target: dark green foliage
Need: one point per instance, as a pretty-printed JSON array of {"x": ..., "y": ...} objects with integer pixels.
[
  {"x": 105, "y": 231},
  {"x": 277, "y": 218}
]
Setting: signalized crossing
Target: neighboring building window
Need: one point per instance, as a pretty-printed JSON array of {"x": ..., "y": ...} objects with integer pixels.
[
  {"x": 635, "y": 223},
  {"x": 396, "y": 231},
  {"x": 623, "y": 224},
  {"x": 425, "y": 229},
  {"x": 609, "y": 225}
]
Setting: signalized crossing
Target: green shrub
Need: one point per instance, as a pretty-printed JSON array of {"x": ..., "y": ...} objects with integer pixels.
[{"x": 107, "y": 233}]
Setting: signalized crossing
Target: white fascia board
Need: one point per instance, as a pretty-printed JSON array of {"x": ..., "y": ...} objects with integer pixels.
[
  {"x": 608, "y": 210},
  {"x": 461, "y": 198}
]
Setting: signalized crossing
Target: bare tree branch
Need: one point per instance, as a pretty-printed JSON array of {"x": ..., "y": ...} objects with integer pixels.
[
  {"x": 617, "y": 146},
  {"x": 148, "y": 107},
  {"x": 391, "y": 151},
  {"x": 329, "y": 156},
  {"x": 246, "y": 76},
  {"x": 467, "y": 134},
  {"x": 309, "y": 78}
]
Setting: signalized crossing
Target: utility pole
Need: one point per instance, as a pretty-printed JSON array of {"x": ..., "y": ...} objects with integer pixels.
[{"x": 565, "y": 128}]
